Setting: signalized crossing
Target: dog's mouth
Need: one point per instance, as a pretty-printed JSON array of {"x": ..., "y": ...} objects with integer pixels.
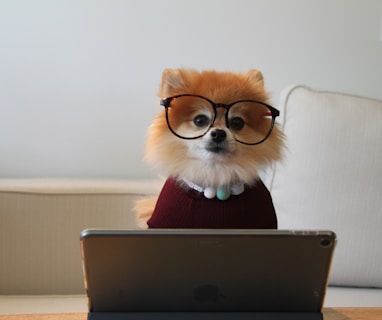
[{"x": 216, "y": 147}]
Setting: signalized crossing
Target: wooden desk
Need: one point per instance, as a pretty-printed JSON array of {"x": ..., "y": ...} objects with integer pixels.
[
  {"x": 329, "y": 314},
  {"x": 353, "y": 314}
]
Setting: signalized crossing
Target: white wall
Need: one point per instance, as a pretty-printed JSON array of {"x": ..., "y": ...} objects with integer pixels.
[{"x": 78, "y": 79}]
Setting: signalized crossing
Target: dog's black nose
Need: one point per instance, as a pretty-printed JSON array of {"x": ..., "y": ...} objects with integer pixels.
[{"x": 218, "y": 135}]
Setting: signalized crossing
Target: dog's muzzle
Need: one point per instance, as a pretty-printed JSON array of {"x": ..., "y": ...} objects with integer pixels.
[
  {"x": 218, "y": 135},
  {"x": 218, "y": 141}
]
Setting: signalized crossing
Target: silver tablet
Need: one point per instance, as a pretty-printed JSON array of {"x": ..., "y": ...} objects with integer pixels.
[{"x": 250, "y": 272}]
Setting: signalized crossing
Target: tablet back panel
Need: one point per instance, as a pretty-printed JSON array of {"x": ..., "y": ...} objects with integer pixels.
[{"x": 206, "y": 270}]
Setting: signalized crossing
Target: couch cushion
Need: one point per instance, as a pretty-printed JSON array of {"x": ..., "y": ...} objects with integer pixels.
[
  {"x": 40, "y": 224},
  {"x": 81, "y": 186},
  {"x": 331, "y": 177}
]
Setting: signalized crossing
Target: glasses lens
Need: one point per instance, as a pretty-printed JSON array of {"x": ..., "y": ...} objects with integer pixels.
[
  {"x": 250, "y": 122},
  {"x": 190, "y": 117}
]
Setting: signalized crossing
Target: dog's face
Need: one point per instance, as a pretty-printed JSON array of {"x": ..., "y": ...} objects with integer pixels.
[{"x": 211, "y": 128}]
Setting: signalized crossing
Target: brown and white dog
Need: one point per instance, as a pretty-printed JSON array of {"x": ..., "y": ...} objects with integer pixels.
[{"x": 214, "y": 134}]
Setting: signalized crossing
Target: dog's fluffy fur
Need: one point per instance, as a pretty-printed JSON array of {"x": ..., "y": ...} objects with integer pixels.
[{"x": 190, "y": 159}]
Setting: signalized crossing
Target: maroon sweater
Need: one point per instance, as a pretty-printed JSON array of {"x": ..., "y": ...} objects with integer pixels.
[{"x": 180, "y": 207}]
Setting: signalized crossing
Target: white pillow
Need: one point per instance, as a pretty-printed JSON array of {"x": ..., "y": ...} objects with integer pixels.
[{"x": 331, "y": 177}]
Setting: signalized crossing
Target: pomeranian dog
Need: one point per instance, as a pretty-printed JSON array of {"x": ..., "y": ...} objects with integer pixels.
[{"x": 215, "y": 132}]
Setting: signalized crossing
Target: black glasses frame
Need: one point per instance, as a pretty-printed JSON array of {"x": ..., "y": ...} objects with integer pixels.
[{"x": 166, "y": 103}]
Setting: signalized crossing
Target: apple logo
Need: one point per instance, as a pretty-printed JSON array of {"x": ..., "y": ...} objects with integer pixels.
[{"x": 207, "y": 293}]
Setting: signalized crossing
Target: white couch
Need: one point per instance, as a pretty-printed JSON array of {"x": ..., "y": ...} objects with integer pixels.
[{"x": 330, "y": 179}]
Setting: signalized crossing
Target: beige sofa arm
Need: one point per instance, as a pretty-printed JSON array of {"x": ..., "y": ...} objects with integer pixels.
[{"x": 41, "y": 220}]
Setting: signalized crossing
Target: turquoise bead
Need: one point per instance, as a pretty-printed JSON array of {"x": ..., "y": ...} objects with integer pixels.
[{"x": 223, "y": 193}]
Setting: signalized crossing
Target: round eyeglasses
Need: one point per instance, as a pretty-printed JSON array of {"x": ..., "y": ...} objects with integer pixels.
[{"x": 191, "y": 116}]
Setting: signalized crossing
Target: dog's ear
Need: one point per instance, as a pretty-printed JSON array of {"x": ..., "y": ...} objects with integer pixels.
[
  {"x": 173, "y": 81},
  {"x": 256, "y": 76}
]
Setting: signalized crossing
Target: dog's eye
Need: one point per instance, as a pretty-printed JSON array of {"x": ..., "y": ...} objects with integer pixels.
[
  {"x": 236, "y": 123},
  {"x": 201, "y": 121}
]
